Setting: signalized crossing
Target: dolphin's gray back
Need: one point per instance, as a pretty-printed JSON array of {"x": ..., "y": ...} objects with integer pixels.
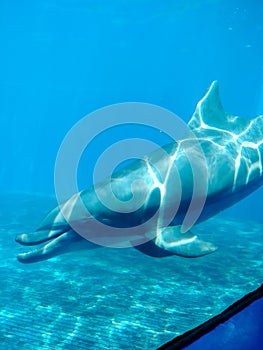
[{"x": 233, "y": 147}]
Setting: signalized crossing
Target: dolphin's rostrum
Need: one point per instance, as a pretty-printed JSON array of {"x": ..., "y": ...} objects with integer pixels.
[{"x": 230, "y": 165}]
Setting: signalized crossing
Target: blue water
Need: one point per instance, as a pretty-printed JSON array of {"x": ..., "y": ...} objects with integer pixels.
[
  {"x": 61, "y": 60},
  {"x": 118, "y": 298},
  {"x": 243, "y": 331}
]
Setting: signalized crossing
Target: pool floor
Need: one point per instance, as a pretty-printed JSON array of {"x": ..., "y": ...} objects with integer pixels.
[{"x": 117, "y": 298}]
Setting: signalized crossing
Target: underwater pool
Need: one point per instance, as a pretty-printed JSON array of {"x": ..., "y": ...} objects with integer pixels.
[
  {"x": 118, "y": 298},
  {"x": 63, "y": 60}
]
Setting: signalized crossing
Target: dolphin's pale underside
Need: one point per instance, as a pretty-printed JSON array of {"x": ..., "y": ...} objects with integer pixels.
[{"x": 233, "y": 158}]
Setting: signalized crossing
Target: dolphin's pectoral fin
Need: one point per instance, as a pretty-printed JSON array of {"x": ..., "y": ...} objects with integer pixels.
[
  {"x": 183, "y": 244},
  {"x": 171, "y": 241},
  {"x": 151, "y": 249}
]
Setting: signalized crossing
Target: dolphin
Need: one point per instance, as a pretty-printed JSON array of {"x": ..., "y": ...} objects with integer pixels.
[{"x": 231, "y": 164}]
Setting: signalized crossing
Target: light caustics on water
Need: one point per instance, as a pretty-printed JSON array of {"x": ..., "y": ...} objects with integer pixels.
[
  {"x": 238, "y": 139},
  {"x": 217, "y": 163},
  {"x": 245, "y": 162}
]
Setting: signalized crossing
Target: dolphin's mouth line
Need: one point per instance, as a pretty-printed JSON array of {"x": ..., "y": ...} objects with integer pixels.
[
  {"x": 39, "y": 236},
  {"x": 51, "y": 245},
  {"x": 50, "y": 242}
]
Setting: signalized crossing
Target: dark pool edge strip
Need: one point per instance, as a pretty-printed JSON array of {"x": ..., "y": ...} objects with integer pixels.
[{"x": 194, "y": 334}]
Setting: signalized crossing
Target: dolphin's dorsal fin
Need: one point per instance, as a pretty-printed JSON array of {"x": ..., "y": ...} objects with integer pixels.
[{"x": 209, "y": 110}]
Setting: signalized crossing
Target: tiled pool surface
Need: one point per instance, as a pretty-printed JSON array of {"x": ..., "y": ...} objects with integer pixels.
[{"x": 117, "y": 298}]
